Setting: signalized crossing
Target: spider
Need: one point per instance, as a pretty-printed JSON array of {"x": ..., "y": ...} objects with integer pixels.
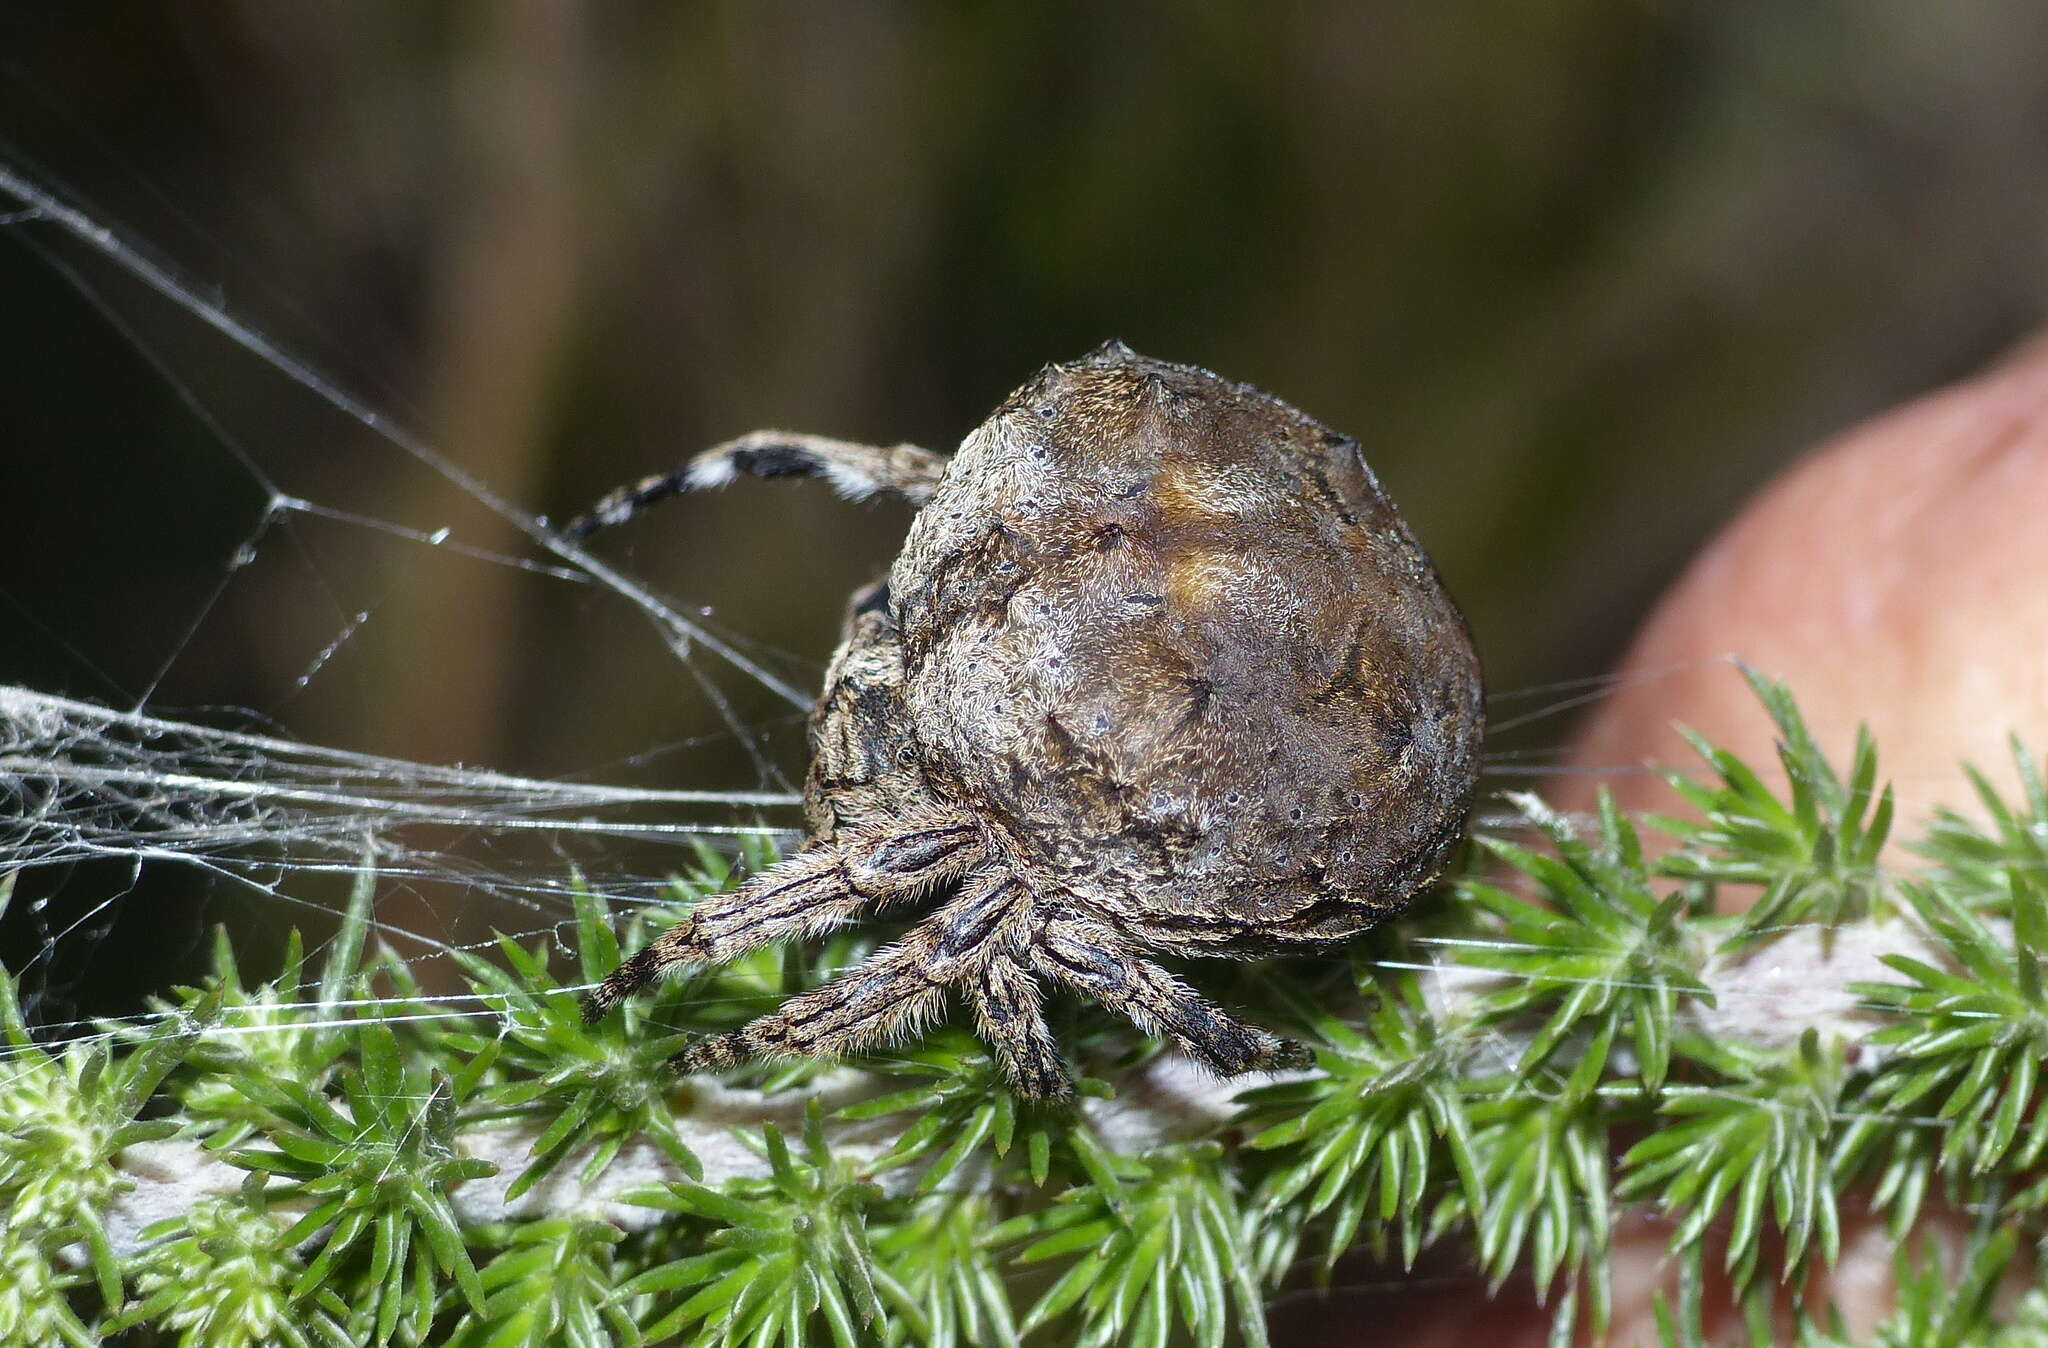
[{"x": 1159, "y": 672}]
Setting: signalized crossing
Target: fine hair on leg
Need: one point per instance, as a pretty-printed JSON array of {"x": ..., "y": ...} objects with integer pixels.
[
  {"x": 893, "y": 992},
  {"x": 804, "y": 895},
  {"x": 1009, "y": 1013},
  {"x": 857, "y": 471},
  {"x": 1092, "y": 958}
]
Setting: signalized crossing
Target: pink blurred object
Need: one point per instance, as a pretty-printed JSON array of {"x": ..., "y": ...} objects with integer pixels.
[{"x": 1898, "y": 575}]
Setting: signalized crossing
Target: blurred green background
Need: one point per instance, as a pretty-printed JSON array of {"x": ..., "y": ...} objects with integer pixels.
[{"x": 1580, "y": 274}]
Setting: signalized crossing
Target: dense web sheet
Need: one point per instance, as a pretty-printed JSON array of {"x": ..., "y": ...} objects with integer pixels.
[{"x": 88, "y": 784}]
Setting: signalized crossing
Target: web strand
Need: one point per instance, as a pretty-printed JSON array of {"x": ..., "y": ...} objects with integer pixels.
[{"x": 678, "y": 632}]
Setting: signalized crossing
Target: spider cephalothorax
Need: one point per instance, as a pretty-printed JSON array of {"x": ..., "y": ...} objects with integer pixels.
[{"x": 1159, "y": 671}]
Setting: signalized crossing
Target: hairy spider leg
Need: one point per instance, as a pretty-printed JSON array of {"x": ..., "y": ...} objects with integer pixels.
[
  {"x": 1096, "y": 960},
  {"x": 804, "y": 895},
  {"x": 1009, "y": 1012},
  {"x": 857, "y": 471},
  {"x": 897, "y": 990}
]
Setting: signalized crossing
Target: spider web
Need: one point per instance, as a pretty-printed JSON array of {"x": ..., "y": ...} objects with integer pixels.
[{"x": 100, "y": 799}]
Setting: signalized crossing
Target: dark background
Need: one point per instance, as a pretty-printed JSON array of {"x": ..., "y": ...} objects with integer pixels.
[{"x": 1580, "y": 274}]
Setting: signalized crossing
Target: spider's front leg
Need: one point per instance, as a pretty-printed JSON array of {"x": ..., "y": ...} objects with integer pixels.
[
  {"x": 804, "y": 895},
  {"x": 856, "y": 470},
  {"x": 893, "y": 992},
  {"x": 1100, "y": 962}
]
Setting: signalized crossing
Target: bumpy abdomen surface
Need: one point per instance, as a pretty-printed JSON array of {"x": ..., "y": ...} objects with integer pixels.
[{"x": 1168, "y": 635}]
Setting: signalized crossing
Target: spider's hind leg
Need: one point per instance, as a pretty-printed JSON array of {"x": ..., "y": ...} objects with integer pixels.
[
  {"x": 1096, "y": 960},
  {"x": 803, "y": 895},
  {"x": 856, "y": 470}
]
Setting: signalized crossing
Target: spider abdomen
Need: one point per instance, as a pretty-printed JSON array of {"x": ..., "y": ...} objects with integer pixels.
[{"x": 1166, "y": 633}]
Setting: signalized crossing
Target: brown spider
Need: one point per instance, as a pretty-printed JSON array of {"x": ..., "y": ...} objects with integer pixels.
[{"x": 1159, "y": 670}]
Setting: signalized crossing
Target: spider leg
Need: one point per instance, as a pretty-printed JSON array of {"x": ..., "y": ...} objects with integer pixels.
[
  {"x": 856, "y": 470},
  {"x": 1096, "y": 960},
  {"x": 897, "y": 988},
  {"x": 803, "y": 895},
  {"x": 1009, "y": 1012}
]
